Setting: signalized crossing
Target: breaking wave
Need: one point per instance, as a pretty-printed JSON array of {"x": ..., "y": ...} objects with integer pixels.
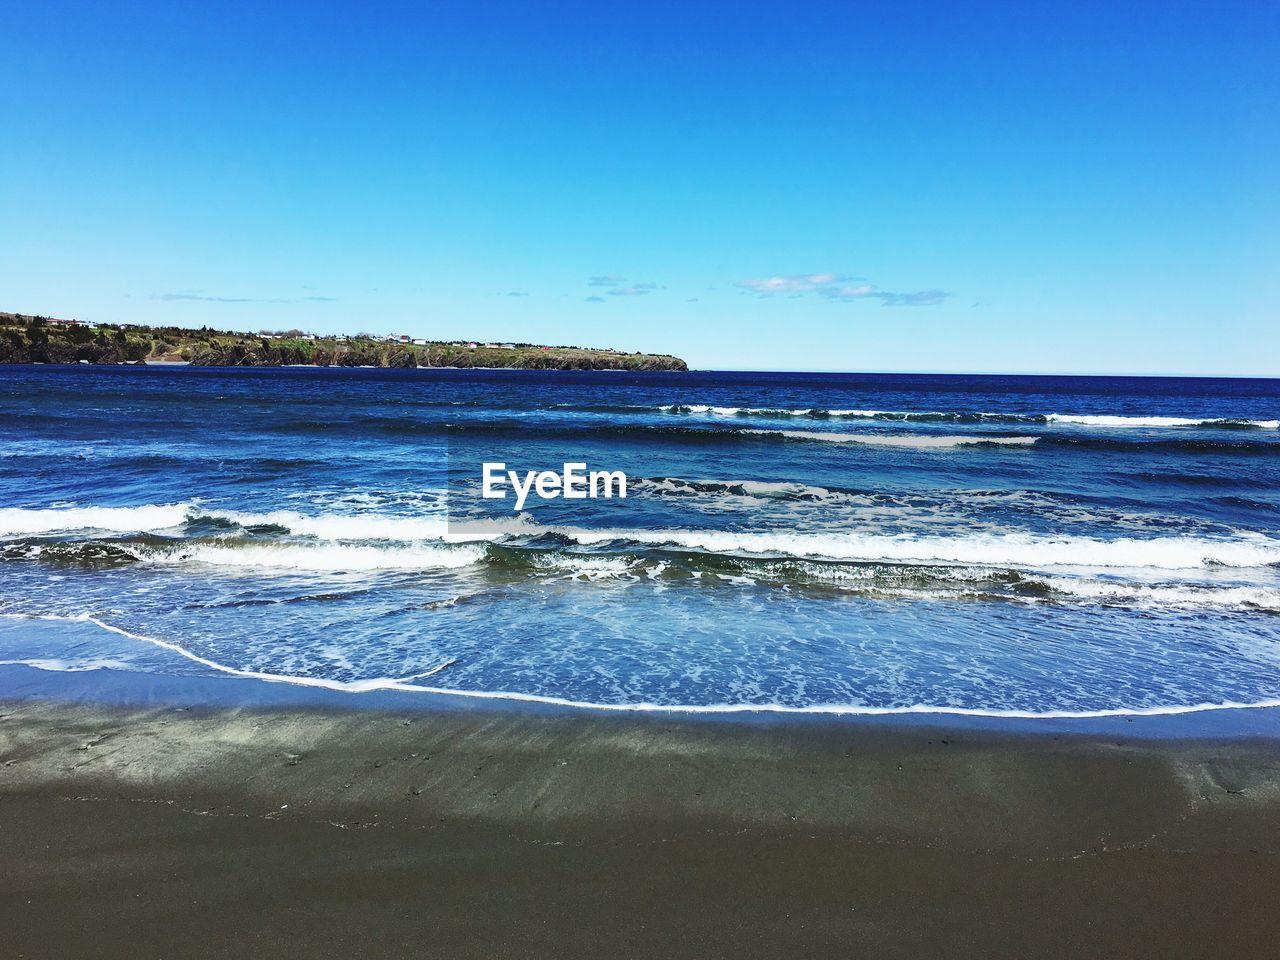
[
  {"x": 16, "y": 521},
  {"x": 1164, "y": 596},
  {"x": 371, "y": 541},
  {"x": 332, "y": 558},
  {"x": 914, "y": 441},
  {"x": 159, "y": 517},
  {"x": 1015, "y": 549},
  {"x": 1229, "y": 423},
  {"x": 316, "y": 557},
  {"x": 963, "y": 416},
  {"x": 762, "y": 489}
]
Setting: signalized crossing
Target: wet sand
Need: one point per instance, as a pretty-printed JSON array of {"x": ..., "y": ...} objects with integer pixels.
[{"x": 300, "y": 832}]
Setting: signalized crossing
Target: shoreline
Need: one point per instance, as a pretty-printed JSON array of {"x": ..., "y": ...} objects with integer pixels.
[
  {"x": 1209, "y": 718},
  {"x": 292, "y": 830},
  {"x": 762, "y": 773},
  {"x": 121, "y": 688}
]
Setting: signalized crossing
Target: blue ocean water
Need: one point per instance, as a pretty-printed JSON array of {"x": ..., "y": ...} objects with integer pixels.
[{"x": 863, "y": 543}]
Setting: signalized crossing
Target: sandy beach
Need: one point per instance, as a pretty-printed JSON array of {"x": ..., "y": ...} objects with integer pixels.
[{"x": 291, "y": 831}]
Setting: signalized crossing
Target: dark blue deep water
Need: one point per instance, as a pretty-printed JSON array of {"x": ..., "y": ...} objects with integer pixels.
[{"x": 855, "y": 542}]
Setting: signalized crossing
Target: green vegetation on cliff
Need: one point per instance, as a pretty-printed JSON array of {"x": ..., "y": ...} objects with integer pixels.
[{"x": 29, "y": 339}]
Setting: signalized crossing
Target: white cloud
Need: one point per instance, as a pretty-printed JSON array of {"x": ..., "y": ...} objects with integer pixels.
[
  {"x": 170, "y": 297},
  {"x": 850, "y": 293},
  {"x": 835, "y": 286},
  {"x": 614, "y": 287},
  {"x": 802, "y": 283},
  {"x": 636, "y": 290}
]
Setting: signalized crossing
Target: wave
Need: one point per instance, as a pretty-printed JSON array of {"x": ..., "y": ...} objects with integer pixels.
[
  {"x": 762, "y": 489},
  {"x": 1003, "y": 550},
  {"x": 523, "y": 428},
  {"x": 784, "y": 490},
  {"x": 961, "y": 568},
  {"x": 1162, "y": 445},
  {"x": 358, "y": 526},
  {"x": 18, "y": 521},
  {"x": 80, "y": 665},
  {"x": 1166, "y": 596},
  {"x": 1245, "y": 503},
  {"x": 310, "y": 557},
  {"x": 966, "y": 416},
  {"x": 891, "y": 580},
  {"x": 411, "y": 684},
  {"x": 1178, "y": 478},
  {"x": 429, "y": 542},
  {"x": 589, "y": 567},
  {"x": 330, "y": 597},
  {"x": 153, "y": 518},
  {"x": 707, "y": 432},
  {"x": 1114, "y": 421},
  {"x": 349, "y": 686},
  {"x": 319, "y": 558},
  {"x": 823, "y": 413},
  {"x": 919, "y": 442},
  {"x": 721, "y": 434},
  {"x": 436, "y": 419}
]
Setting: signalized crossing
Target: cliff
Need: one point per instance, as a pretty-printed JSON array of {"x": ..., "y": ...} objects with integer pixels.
[{"x": 33, "y": 339}]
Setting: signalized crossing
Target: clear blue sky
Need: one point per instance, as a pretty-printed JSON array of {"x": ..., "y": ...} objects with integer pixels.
[{"x": 1057, "y": 187}]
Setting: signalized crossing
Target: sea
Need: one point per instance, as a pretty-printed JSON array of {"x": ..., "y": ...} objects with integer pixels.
[{"x": 1004, "y": 546}]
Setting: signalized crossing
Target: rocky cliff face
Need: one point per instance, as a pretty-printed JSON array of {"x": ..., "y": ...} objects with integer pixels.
[{"x": 69, "y": 346}]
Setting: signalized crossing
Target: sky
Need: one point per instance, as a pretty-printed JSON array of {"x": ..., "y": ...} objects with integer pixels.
[{"x": 1002, "y": 187}]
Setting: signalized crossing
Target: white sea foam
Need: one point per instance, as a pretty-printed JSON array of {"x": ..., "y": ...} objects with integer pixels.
[
  {"x": 410, "y": 684},
  {"x": 1094, "y": 420},
  {"x": 703, "y": 408},
  {"x": 585, "y": 568},
  {"x": 768, "y": 411},
  {"x": 427, "y": 543},
  {"x": 330, "y": 526},
  {"x": 349, "y": 686},
  {"x": 1116, "y": 421},
  {"x": 320, "y": 557},
  {"x": 17, "y": 521},
  {"x": 1167, "y": 595},
  {"x": 918, "y": 441},
  {"x": 756, "y": 489},
  {"x": 81, "y": 665},
  {"x": 1005, "y": 550}
]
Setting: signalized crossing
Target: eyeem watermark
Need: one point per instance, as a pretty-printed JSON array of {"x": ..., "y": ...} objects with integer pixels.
[{"x": 573, "y": 483}]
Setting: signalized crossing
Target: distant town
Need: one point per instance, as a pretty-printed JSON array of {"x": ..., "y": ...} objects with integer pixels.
[
  {"x": 388, "y": 338},
  {"x": 40, "y": 339}
]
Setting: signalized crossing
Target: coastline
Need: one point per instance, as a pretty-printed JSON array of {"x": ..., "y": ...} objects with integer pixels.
[
  {"x": 34, "y": 339},
  {"x": 170, "y": 682},
  {"x": 303, "y": 826}
]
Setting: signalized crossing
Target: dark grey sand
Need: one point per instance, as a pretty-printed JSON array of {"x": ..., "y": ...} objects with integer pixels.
[{"x": 308, "y": 833}]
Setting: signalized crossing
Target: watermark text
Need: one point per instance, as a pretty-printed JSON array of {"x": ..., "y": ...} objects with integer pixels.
[{"x": 574, "y": 482}]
